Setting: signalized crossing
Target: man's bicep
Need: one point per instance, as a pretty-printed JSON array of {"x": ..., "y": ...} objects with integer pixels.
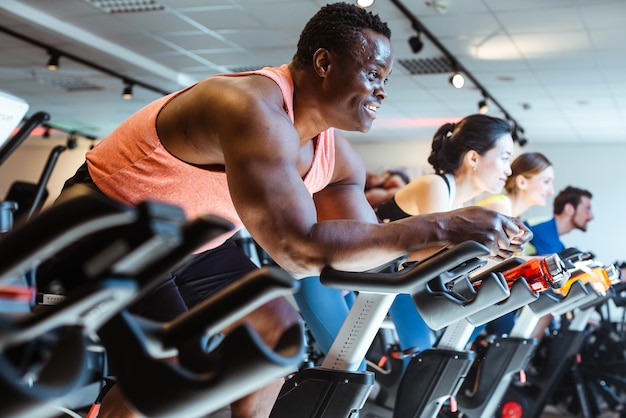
[
  {"x": 343, "y": 202},
  {"x": 269, "y": 195},
  {"x": 345, "y": 197}
]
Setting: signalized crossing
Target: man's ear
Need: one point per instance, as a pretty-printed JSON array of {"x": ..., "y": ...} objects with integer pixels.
[
  {"x": 321, "y": 62},
  {"x": 569, "y": 209}
]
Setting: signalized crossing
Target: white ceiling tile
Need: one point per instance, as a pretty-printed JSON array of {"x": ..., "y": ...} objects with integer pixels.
[
  {"x": 605, "y": 14},
  {"x": 611, "y": 39},
  {"x": 534, "y": 46},
  {"x": 549, "y": 63},
  {"x": 548, "y": 20}
]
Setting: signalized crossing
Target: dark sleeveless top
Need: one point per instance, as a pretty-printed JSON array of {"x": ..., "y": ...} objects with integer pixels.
[{"x": 389, "y": 211}]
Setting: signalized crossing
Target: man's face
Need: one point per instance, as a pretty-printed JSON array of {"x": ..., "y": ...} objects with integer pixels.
[
  {"x": 355, "y": 84},
  {"x": 582, "y": 214}
]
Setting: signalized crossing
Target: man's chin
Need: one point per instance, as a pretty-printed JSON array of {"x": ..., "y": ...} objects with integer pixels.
[{"x": 365, "y": 128}]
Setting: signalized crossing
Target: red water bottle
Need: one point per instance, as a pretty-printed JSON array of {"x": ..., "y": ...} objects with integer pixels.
[{"x": 541, "y": 273}]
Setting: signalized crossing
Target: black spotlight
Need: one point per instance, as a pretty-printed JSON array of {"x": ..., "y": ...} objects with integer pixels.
[
  {"x": 457, "y": 80},
  {"x": 416, "y": 44},
  {"x": 483, "y": 108},
  {"x": 53, "y": 61},
  {"x": 127, "y": 93},
  {"x": 518, "y": 135},
  {"x": 72, "y": 141}
]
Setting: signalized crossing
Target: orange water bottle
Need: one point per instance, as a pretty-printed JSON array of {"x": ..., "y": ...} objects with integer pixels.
[{"x": 601, "y": 278}]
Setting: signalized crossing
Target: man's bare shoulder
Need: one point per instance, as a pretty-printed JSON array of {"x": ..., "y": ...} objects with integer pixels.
[
  {"x": 195, "y": 124},
  {"x": 240, "y": 89}
]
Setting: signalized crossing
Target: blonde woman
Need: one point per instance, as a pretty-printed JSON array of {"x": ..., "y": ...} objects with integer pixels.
[{"x": 529, "y": 184}]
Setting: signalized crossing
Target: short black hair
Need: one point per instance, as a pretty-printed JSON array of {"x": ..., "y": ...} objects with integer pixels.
[
  {"x": 571, "y": 195},
  {"x": 336, "y": 27}
]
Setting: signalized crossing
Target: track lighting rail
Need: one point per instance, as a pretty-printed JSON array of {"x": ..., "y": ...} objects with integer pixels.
[
  {"x": 459, "y": 68},
  {"x": 56, "y": 53}
]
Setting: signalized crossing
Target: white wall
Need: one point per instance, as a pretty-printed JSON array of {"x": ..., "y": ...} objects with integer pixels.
[
  {"x": 26, "y": 164},
  {"x": 595, "y": 167}
]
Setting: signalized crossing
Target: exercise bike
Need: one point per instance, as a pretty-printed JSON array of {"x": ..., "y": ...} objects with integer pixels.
[{"x": 337, "y": 388}]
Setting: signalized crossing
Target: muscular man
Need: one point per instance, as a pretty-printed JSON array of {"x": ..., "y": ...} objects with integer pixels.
[{"x": 261, "y": 150}]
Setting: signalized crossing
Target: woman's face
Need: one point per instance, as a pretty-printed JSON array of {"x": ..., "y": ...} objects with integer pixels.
[
  {"x": 494, "y": 167},
  {"x": 539, "y": 187}
]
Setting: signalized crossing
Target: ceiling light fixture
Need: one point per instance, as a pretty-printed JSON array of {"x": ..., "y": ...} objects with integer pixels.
[
  {"x": 53, "y": 61},
  {"x": 127, "y": 93},
  {"x": 458, "y": 68},
  {"x": 518, "y": 135},
  {"x": 483, "y": 108},
  {"x": 364, "y": 3},
  {"x": 55, "y": 54},
  {"x": 416, "y": 44},
  {"x": 457, "y": 80},
  {"x": 72, "y": 141},
  {"x": 72, "y": 135}
]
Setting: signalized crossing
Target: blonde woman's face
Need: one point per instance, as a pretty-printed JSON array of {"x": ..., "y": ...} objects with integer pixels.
[
  {"x": 539, "y": 187},
  {"x": 494, "y": 167}
]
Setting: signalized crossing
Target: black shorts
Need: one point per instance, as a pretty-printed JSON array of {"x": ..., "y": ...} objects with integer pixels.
[
  {"x": 201, "y": 276},
  {"x": 83, "y": 177},
  {"x": 212, "y": 270}
]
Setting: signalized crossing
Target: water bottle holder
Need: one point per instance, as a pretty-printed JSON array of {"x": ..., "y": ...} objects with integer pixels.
[
  {"x": 521, "y": 295},
  {"x": 551, "y": 303},
  {"x": 441, "y": 305}
]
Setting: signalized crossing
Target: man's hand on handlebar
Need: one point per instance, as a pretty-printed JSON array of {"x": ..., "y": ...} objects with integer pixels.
[{"x": 503, "y": 235}]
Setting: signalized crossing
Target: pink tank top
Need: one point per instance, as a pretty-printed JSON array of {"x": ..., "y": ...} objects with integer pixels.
[{"x": 131, "y": 165}]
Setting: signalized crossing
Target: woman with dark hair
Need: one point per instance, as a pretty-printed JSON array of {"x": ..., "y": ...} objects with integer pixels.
[{"x": 469, "y": 157}]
